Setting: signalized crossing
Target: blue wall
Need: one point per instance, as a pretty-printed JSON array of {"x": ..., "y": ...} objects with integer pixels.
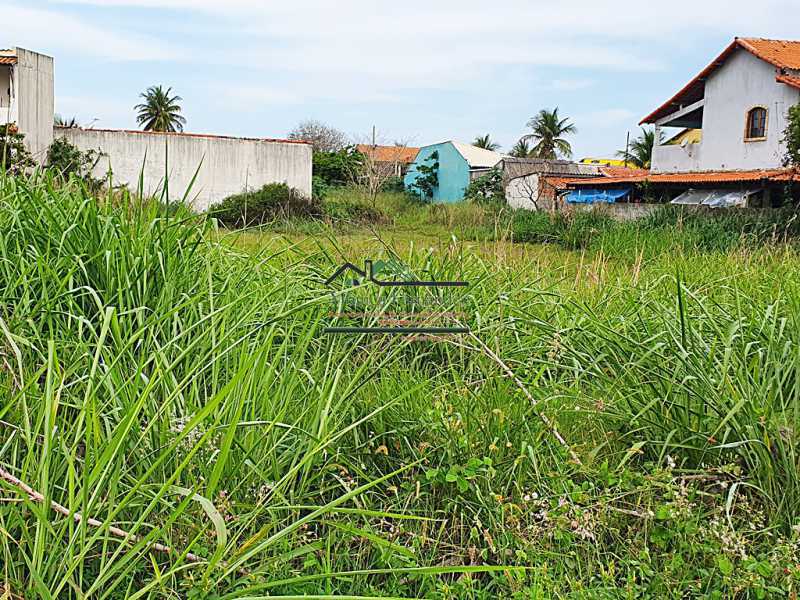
[{"x": 453, "y": 172}]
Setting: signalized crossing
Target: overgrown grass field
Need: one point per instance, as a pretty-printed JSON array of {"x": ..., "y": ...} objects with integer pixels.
[{"x": 621, "y": 422}]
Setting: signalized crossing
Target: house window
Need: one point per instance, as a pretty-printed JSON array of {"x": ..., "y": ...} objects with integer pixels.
[{"x": 756, "y": 123}]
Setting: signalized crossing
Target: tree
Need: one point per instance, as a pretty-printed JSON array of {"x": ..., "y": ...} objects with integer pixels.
[
  {"x": 521, "y": 149},
  {"x": 160, "y": 111},
  {"x": 337, "y": 168},
  {"x": 427, "y": 179},
  {"x": 486, "y": 188},
  {"x": 548, "y": 134},
  {"x": 485, "y": 142},
  {"x": 322, "y": 137},
  {"x": 15, "y": 158},
  {"x": 379, "y": 166},
  {"x": 60, "y": 121},
  {"x": 640, "y": 153},
  {"x": 65, "y": 159},
  {"x": 791, "y": 137}
]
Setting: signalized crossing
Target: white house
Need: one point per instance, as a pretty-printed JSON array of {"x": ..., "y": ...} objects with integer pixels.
[
  {"x": 721, "y": 134},
  {"x": 739, "y": 103}
]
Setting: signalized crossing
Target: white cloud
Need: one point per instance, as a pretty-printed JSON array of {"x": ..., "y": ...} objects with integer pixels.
[
  {"x": 51, "y": 31},
  {"x": 570, "y": 85}
]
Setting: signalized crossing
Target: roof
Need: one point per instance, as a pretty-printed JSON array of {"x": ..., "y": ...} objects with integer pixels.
[
  {"x": 522, "y": 167},
  {"x": 389, "y": 154},
  {"x": 477, "y": 157},
  {"x": 183, "y": 134},
  {"x": 697, "y": 178},
  {"x": 8, "y": 60},
  {"x": 782, "y": 54}
]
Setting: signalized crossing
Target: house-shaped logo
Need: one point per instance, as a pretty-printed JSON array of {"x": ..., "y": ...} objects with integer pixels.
[{"x": 416, "y": 323}]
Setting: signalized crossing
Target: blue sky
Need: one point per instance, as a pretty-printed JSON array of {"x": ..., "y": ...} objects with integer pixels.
[{"x": 421, "y": 72}]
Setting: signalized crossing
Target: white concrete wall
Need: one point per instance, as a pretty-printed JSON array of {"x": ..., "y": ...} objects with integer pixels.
[
  {"x": 35, "y": 100},
  {"x": 742, "y": 83},
  {"x": 526, "y": 192},
  {"x": 677, "y": 159},
  {"x": 227, "y": 165}
]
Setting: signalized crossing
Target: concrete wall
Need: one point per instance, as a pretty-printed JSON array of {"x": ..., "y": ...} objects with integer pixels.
[
  {"x": 527, "y": 192},
  {"x": 619, "y": 211},
  {"x": 227, "y": 165},
  {"x": 454, "y": 173},
  {"x": 35, "y": 100},
  {"x": 742, "y": 83}
]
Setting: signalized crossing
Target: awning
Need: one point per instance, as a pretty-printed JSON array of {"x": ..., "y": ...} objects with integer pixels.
[
  {"x": 715, "y": 198},
  {"x": 596, "y": 196}
]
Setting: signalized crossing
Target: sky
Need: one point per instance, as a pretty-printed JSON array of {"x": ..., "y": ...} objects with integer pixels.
[{"x": 419, "y": 71}]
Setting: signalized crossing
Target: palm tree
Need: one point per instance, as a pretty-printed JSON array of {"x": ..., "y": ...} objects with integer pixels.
[
  {"x": 160, "y": 111},
  {"x": 521, "y": 149},
  {"x": 640, "y": 153},
  {"x": 60, "y": 121},
  {"x": 548, "y": 134},
  {"x": 485, "y": 142}
]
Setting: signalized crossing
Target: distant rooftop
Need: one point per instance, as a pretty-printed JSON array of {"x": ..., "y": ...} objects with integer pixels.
[{"x": 393, "y": 154}]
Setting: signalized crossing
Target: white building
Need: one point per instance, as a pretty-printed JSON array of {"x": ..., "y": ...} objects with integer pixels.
[
  {"x": 739, "y": 103},
  {"x": 727, "y": 125},
  {"x": 204, "y": 168},
  {"x": 26, "y": 97}
]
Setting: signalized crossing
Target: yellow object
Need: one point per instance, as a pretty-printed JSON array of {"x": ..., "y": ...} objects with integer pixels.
[
  {"x": 603, "y": 162},
  {"x": 689, "y": 136}
]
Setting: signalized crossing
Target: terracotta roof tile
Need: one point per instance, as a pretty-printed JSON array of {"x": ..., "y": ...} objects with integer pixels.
[
  {"x": 783, "y": 54},
  {"x": 789, "y": 80},
  {"x": 700, "y": 177},
  {"x": 399, "y": 154},
  {"x": 8, "y": 60}
]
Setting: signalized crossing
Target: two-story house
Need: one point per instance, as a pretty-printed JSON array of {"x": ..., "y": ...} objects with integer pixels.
[{"x": 722, "y": 133}]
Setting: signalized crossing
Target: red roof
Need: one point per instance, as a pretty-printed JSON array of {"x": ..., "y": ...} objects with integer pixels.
[
  {"x": 698, "y": 178},
  {"x": 8, "y": 60},
  {"x": 782, "y": 54},
  {"x": 395, "y": 154},
  {"x": 789, "y": 80}
]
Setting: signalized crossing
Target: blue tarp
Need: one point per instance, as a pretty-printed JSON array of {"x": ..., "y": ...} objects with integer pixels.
[{"x": 594, "y": 196}]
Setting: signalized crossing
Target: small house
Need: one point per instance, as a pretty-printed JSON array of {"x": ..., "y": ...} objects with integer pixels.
[
  {"x": 458, "y": 165},
  {"x": 394, "y": 159}
]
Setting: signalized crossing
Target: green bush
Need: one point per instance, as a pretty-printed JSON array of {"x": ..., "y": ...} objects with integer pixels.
[
  {"x": 486, "y": 188},
  {"x": 571, "y": 230},
  {"x": 343, "y": 210},
  {"x": 66, "y": 159},
  {"x": 14, "y": 156},
  {"x": 274, "y": 201},
  {"x": 319, "y": 189},
  {"x": 337, "y": 168}
]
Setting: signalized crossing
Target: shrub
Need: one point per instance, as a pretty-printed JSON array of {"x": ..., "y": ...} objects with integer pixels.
[
  {"x": 393, "y": 185},
  {"x": 66, "y": 159},
  {"x": 344, "y": 210},
  {"x": 272, "y": 202},
  {"x": 427, "y": 179},
  {"x": 14, "y": 156},
  {"x": 486, "y": 188},
  {"x": 791, "y": 137},
  {"x": 319, "y": 189},
  {"x": 337, "y": 168}
]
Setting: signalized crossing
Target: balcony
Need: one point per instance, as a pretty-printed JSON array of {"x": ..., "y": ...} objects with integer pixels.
[{"x": 671, "y": 158}]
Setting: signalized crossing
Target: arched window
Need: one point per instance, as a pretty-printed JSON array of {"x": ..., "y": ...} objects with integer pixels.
[{"x": 756, "y": 123}]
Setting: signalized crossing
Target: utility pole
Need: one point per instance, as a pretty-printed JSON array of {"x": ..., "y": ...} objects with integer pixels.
[{"x": 627, "y": 148}]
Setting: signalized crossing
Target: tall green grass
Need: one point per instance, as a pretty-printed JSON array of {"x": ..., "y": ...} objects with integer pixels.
[{"x": 160, "y": 379}]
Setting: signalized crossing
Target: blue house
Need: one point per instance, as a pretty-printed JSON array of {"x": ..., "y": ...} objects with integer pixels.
[{"x": 458, "y": 165}]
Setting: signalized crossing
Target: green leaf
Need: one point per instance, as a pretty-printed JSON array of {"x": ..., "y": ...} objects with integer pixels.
[{"x": 724, "y": 565}]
